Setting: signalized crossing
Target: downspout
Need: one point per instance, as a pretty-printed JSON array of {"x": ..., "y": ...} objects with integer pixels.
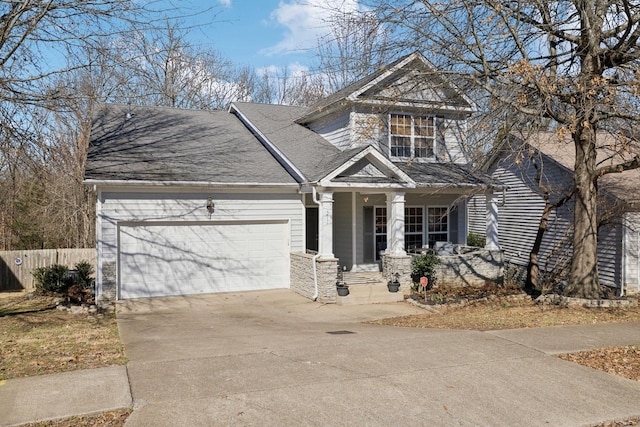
[
  {"x": 316, "y": 256},
  {"x": 623, "y": 260}
]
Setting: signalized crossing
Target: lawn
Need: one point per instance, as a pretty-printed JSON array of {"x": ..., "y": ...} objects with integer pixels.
[{"x": 36, "y": 339}]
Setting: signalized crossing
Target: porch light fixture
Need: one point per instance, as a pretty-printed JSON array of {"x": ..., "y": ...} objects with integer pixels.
[{"x": 210, "y": 206}]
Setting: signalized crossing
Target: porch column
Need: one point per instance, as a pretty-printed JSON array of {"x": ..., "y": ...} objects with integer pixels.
[
  {"x": 325, "y": 226},
  {"x": 492, "y": 221},
  {"x": 395, "y": 224}
]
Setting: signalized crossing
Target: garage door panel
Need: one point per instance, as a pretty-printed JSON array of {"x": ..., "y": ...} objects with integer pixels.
[{"x": 174, "y": 259}]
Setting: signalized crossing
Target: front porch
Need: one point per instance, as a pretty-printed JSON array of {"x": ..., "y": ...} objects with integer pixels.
[{"x": 370, "y": 232}]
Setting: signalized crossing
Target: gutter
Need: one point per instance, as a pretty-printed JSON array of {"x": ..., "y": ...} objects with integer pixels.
[{"x": 142, "y": 183}]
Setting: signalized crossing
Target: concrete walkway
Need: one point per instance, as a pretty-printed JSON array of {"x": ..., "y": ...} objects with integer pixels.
[{"x": 274, "y": 358}]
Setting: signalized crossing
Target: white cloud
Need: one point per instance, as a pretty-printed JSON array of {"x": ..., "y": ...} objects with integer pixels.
[
  {"x": 305, "y": 21},
  {"x": 226, "y": 3},
  {"x": 293, "y": 70}
]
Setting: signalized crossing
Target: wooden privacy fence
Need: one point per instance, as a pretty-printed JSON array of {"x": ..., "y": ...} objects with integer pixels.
[{"x": 16, "y": 266}]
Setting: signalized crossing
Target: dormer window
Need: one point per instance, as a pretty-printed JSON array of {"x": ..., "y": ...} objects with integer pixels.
[{"x": 412, "y": 136}]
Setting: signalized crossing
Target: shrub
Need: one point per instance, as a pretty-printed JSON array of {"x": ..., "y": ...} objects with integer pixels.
[
  {"x": 84, "y": 275},
  {"x": 53, "y": 278},
  {"x": 425, "y": 266},
  {"x": 476, "y": 240}
]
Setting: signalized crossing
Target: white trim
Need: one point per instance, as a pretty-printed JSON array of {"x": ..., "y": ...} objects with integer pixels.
[
  {"x": 426, "y": 229},
  {"x": 424, "y": 225},
  {"x": 412, "y": 137},
  {"x": 142, "y": 183},
  {"x": 275, "y": 151},
  {"x": 100, "y": 254},
  {"x": 415, "y": 55},
  {"x": 377, "y": 159}
]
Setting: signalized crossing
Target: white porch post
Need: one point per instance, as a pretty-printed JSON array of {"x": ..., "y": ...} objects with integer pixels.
[
  {"x": 395, "y": 224},
  {"x": 325, "y": 226},
  {"x": 492, "y": 221}
]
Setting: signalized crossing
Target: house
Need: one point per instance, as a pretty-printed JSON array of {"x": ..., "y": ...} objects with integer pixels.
[
  {"x": 272, "y": 196},
  {"x": 543, "y": 161}
]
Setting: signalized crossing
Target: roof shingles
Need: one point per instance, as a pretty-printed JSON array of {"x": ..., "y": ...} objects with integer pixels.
[{"x": 165, "y": 144}]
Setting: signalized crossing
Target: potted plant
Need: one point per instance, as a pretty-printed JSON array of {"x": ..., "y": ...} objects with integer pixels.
[
  {"x": 341, "y": 285},
  {"x": 343, "y": 289},
  {"x": 395, "y": 285}
]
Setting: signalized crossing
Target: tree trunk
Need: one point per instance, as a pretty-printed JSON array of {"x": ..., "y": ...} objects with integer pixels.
[
  {"x": 584, "y": 282},
  {"x": 533, "y": 269}
]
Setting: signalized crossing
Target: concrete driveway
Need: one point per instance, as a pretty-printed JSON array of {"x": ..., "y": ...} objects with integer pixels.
[{"x": 274, "y": 358}]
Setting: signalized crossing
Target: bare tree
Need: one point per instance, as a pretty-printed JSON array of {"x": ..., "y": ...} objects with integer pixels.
[
  {"x": 356, "y": 46},
  {"x": 287, "y": 86},
  {"x": 571, "y": 63},
  {"x": 57, "y": 58},
  {"x": 165, "y": 69}
]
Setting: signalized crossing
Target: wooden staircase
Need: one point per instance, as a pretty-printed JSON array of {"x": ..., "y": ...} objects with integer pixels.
[{"x": 368, "y": 288}]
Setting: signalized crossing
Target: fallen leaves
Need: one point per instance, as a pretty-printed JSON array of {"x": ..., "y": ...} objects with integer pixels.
[{"x": 621, "y": 361}]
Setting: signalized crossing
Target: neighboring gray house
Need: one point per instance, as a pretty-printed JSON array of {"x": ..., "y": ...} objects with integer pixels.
[
  {"x": 518, "y": 162},
  {"x": 271, "y": 196}
]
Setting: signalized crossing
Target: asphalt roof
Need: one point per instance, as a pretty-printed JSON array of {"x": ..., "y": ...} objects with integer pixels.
[
  {"x": 446, "y": 174},
  {"x": 611, "y": 149},
  {"x": 166, "y": 144},
  {"x": 313, "y": 155}
]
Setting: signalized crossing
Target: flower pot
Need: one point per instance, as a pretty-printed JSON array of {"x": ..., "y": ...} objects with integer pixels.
[
  {"x": 393, "y": 286},
  {"x": 343, "y": 291}
]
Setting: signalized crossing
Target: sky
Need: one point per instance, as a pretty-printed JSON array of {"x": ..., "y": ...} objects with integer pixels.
[{"x": 263, "y": 33}]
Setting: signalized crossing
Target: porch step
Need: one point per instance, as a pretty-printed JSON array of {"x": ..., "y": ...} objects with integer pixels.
[
  {"x": 362, "y": 277},
  {"x": 368, "y": 288}
]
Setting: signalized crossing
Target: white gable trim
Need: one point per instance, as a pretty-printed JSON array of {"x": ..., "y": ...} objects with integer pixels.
[
  {"x": 378, "y": 160},
  {"x": 415, "y": 55},
  {"x": 277, "y": 154}
]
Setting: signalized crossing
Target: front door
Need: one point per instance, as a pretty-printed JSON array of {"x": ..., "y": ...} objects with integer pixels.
[{"x": 367, "y": 244}]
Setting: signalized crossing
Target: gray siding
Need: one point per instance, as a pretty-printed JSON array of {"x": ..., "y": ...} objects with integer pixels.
[
  {"x": 347, "y": 130},
  {"x": 610, "y": 254},
  {"x": 342, "y": 229},
  {"x": 631, "y": 255},
  {"x": 520, "y": 211},
  {"x": 335, "y": 128},
  {"x": 477, "y": 214},
  {"x": 123, "y": 206},
  {"x": 519, "y": 218}
]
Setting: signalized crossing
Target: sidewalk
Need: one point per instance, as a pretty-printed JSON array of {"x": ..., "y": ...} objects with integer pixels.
[{"x": 48, "y": 397}]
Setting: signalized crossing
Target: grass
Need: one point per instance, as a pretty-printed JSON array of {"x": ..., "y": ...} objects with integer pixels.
[
  {"x": 36, "y": 340},
  {"x": 509, "y": 313},
  {"x": 105, "y": 419}
]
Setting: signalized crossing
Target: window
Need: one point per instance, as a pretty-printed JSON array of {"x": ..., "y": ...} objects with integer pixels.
[
  {"x": 411, "y": 136},
  {"x": 438, "y": 225},
  {"x": 413, "y": 227},
  {"x": 380, "y": 230}
]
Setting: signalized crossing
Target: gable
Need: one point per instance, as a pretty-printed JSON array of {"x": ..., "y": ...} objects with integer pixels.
[
  {"x": 367, "y": 166},
  {"x": 416, "y": 85},
  {"x": 364, "y": 171},
  {"x": 409, "y": 81}
]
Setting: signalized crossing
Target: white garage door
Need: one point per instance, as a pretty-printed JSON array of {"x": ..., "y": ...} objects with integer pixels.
[{"x": 190, "y": 258}]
